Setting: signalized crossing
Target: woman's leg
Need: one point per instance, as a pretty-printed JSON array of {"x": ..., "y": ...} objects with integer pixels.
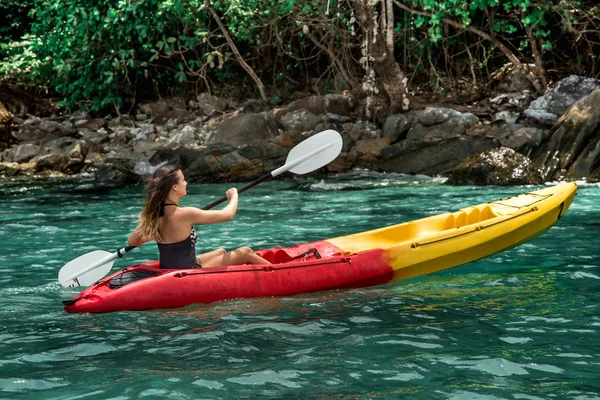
[
  {"x": 203, "y": 258},
  {"x": 243, "y": 255}
]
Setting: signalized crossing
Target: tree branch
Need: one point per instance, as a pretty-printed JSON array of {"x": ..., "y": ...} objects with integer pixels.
[
  {"x": 236, "y": 52},
  {"x": 505, "y": 50}
]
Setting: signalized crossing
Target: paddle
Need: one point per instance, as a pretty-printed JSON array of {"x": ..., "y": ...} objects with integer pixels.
[{"x": 309, "y": 155}]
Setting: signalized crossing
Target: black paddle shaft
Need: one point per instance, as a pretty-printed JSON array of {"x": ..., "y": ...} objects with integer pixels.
[{"x": 262, "y": 179}]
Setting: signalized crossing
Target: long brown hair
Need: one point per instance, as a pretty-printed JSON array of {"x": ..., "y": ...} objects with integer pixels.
[{"x": 158, "y": 189}]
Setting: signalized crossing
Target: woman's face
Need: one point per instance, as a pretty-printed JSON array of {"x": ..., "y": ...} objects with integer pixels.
[{"x": 181, "y": 186}]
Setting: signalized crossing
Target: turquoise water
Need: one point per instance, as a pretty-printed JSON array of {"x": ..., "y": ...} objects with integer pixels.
[{"x": 522, "y": 324}]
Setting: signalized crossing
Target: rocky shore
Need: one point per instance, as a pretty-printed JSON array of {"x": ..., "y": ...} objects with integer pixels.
[{"x": 510, "y": 139}]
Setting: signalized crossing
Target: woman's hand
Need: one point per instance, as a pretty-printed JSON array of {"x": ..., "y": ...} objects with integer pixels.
[{"x": 231, "y": 194}]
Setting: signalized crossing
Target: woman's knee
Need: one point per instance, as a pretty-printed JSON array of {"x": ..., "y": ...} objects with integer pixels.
[{"x": 246, "y": 250}]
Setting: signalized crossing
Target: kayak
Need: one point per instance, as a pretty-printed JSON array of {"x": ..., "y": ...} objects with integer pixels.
[{"x": 363, "y": 259}]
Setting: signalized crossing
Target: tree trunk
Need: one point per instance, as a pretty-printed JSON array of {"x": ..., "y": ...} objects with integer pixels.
[{"x": 387, "y": 70}]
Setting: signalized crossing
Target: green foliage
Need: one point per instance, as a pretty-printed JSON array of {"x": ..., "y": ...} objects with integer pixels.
[
  {"x": 111, "y": 53},
  {"x": 15, "y": 20}
]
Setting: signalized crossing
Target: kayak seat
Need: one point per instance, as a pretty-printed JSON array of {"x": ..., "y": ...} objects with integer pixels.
[
  {"x": 280, "y": 256},
  {"x": 456, "y": 220},
  {"x": 277, "y": 256}
]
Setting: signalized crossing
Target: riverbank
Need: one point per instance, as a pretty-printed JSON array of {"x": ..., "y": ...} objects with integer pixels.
[{"x": 508, "y": 139}]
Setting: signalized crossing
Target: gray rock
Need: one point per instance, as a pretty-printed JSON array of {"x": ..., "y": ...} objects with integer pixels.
[
  {"x": 210, "y": 105},
  {"x": 300, "y": 120},
  {"x": 42, "y": 131},
  {"x": 9, "y": 169},
  {"x": 512, "y": 101},
  {"x": 93, "y": 124},
  {"x": 95, "y": 137},
  {"x": 432, "y": 157},
  {"x": 54, "y": 161},
  {"x": 511, "y": 117},
  {"x": 339, "y": 104},
  {"x": 61, "y": 143},
  {"x": 524, "y": 140},
  {"x": 364, "y": 130},
  {"x": 571, "y": 149},
  {"x": 437, "y": 116},
  {"x": 570, "y": 90},
  {"x": 173, "y": 118},
  {"x": 336, "y": 119},
  {"x": 118, "y": 171},
  {"x": 26, "y": 152},
  {"x": 244, "y": 128},
  {"x": 513, "y": 79},
  {"x": 396, "y": 127},
  {"x": 502, "y": 166},
  {"x": 184, "y": 137},
  {"x": 545, "y": 110}
]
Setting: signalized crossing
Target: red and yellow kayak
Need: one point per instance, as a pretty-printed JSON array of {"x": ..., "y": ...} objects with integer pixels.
[{"x": 363, "y": 259}]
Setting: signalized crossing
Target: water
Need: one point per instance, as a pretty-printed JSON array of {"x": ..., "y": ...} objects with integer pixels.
[{"x": 522, "y": 324}]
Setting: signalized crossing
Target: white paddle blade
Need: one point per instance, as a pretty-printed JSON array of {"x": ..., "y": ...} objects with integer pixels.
[
  {"x": 78, "y": 272},
  {"x": 314, "y": 152}
]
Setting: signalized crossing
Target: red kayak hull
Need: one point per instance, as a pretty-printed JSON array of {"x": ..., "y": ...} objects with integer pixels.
[{"x": 178, "y": 288}]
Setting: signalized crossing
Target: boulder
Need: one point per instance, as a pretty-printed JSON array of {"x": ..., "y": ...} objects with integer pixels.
[
  {"x": 368, "y": 151},
  {"x": 502, "y": 166},
  {"x": 96, "y": 137},
  {"x": 269, "y": 153},
  {"x": 173, "y": 118},
  {"x": 241, "y": 129},
  {"x": 546, "y": 109},
  {"x": 209, "y": 105},
  {"x": 524, "y": 140},
  {"x": 340, "y": 104},
  {"x": 53, "y": 161},
  {"x": 571, "y": 149},
  {"x": 162, "y": 106},
  {"x": 42, "y": 131},
  {"x": 92, "y": 124},
  {"x": 436, "y": 142},
  {"x": 396, "y": 127},
  {"x": 26, "y": 152},
  {"x": 509, "y": 78},
  {"x": 185, "y": 156},
  {"x": 364, "y": 130},
  {"x": 118, "y": 171},
  {"x": 300, "y": 120},
  {"x": 336, "y": 119},
  {"x": 439, "y": 123},
  {"x": 432, "y": 157},
  {"x": 186, "y": 136},
  {"x": 8, "y": 169}
]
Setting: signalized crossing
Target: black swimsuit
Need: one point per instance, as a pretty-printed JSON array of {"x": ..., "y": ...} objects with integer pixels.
[{"x": 180, "y": 255}]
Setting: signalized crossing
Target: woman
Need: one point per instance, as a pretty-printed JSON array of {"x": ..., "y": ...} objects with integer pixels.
[{"x": 173, "y": 227}]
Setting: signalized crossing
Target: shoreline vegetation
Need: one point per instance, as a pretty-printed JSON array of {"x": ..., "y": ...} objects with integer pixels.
[{"x": 480, "y": 92}]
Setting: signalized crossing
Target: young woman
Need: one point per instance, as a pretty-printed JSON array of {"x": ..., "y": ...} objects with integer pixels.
[{"x": 172, "y": 227}]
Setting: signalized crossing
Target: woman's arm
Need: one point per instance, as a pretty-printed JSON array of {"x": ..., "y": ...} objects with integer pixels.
[
  {"x": 197, "y": 216},
  {"x": 135, "y": 239}
]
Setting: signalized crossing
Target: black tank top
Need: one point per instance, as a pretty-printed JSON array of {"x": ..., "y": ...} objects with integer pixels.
[{"x": 179, "y": 255}]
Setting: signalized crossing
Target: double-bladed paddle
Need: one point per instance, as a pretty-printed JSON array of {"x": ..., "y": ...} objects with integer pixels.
[{"x": 308, "y": 155}]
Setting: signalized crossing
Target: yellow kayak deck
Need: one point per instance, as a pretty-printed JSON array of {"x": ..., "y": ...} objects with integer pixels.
[{"x": 446, "y": 240}]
